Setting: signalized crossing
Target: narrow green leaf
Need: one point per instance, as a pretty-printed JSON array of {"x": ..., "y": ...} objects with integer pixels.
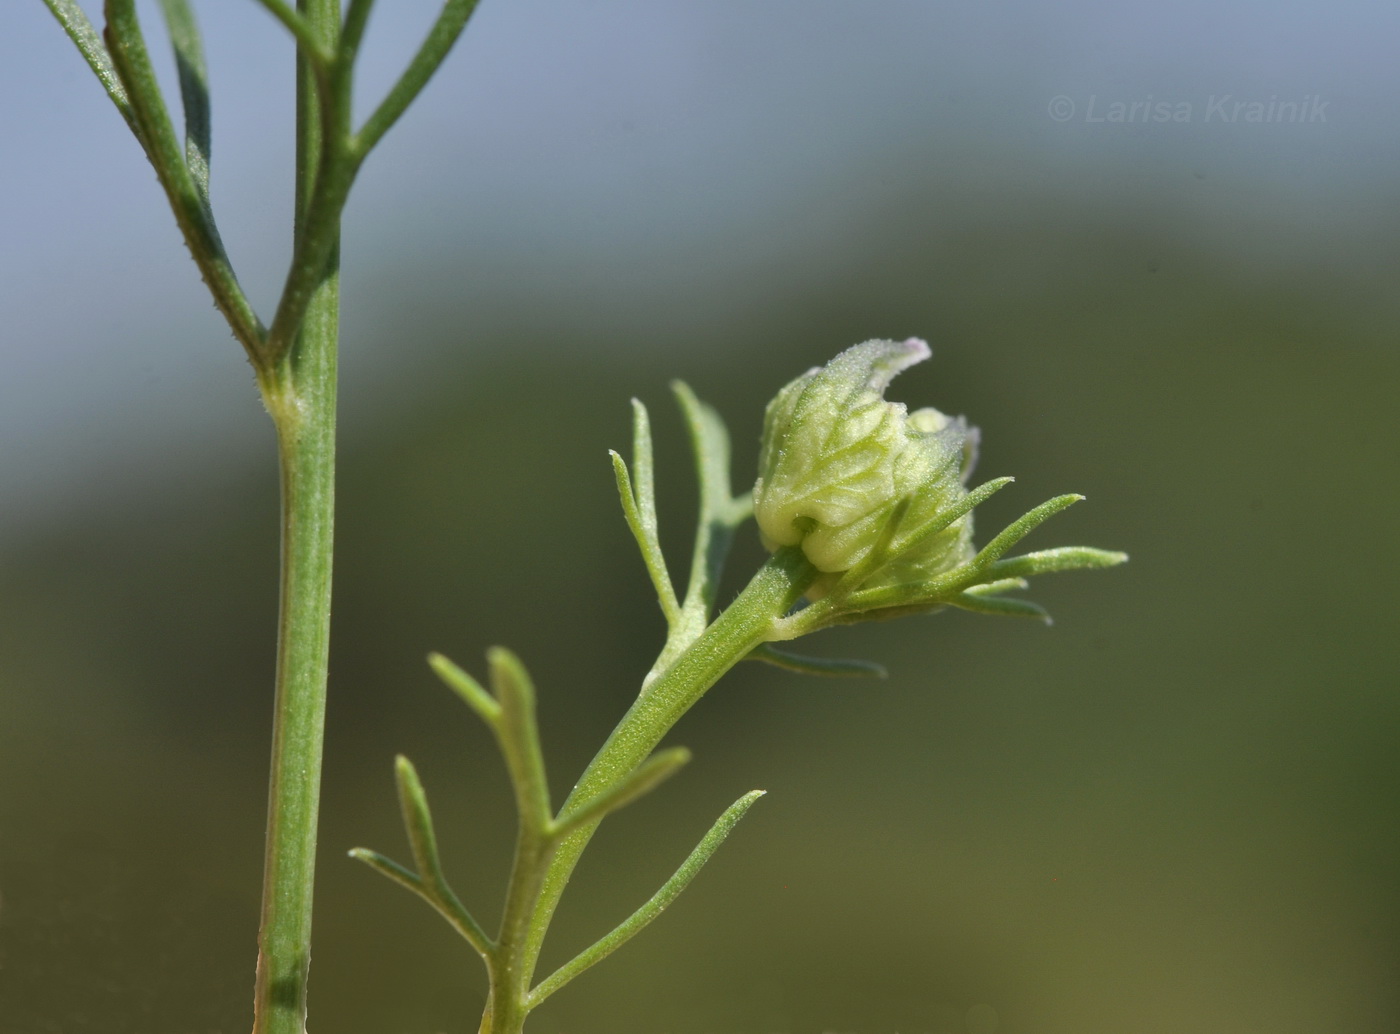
[
  {"x": 719, "y": 513},
  {"x": 878, "y": 556},
  {"x": 997, "y": 587},
  {"x": 646, "y": 542},
  {"x": 999, "y": 605},
  {"x": 709, "y": 442},
  {"x": 417, "y": 820},
  {"x": 520, "y": 737},
  {"x": 466, "y": 687},
  {"x": 643, "y": 779},
  {"x": 1065, "y": 558},
  {"x": 392, "y": 869},
  {"x": 127, "y": 49},
  {"x": 643, "y": 462},
  {"x": 817, "y": 665},
  {"x": 1023, "y": 526},
  {"x": 654, "y": 907},
  {"x": 356, "y": 18},
  {"x": 80, "y": 30},
  {"x": 441, "y": 37},
  {"x": 194, "y": 91},
  {"x": 963, "y": 507},
  {"x": 132, "y": 63}
]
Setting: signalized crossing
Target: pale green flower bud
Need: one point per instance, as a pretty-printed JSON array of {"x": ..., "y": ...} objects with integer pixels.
[{"x": 838, "y": 460}]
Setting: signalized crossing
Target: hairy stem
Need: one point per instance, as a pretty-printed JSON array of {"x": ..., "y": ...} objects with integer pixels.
[{"x": 300, "y": 391}]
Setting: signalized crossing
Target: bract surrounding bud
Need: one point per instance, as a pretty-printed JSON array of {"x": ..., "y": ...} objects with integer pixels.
[{"x": 838, "y": 461}]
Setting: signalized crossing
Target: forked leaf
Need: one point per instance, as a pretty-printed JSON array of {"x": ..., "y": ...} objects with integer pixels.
[
  {"x": 428, "y": 883},
  {"x": 817, "y": 665},
  {"x": 645, "y": 778},
  {"x": 653, "y": 908}
]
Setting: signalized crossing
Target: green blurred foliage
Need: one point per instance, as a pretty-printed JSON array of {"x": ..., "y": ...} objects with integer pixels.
[{"x": 1173, "y": 811}]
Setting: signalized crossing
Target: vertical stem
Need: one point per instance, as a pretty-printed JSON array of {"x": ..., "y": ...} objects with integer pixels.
[
  {"x": 300, "y": 394},
  {"x": 510, "y": 966},
  {"x": 304, "y": 410}
]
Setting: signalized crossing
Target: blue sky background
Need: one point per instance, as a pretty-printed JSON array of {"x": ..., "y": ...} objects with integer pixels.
[{"x": 625, "y": 160}]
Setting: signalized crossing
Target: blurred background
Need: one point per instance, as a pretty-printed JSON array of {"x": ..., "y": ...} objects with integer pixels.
[{"x": 1173, "y": 811}]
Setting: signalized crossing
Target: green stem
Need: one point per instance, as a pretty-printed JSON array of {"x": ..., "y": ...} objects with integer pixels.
[
  {"x": 743, "y": 625},
  {"x": 300, "y": 392}
]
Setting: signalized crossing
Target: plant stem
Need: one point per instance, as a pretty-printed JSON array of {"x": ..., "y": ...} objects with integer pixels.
[
  {"x": 744, "y": 624},
  {"x": 300, "y": 392}
]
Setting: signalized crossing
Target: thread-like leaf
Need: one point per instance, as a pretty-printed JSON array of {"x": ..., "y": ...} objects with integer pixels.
[
  {"x": 441, "y": 37},
  {"x": 720, "y": 513},
  {"x": 127, "y": 49},
  {"x": 194, "y": 90},
  {"x": 643, "y": 462},
  {"x": 80, "y": 30},
  {"x": 429, "y": 882},
  {"x": 417, "y": 820},
  {"x": 960, "y": 509},
  {"x": 519, "y": 735},
  {"x": 1065, "y": 558},
  {"x": 466, "y": 687},
  {"x": 709, "y": 442},
  {"x": 999, "y": 605},
  {"x": 879, "y": 553},
  {"x": 654, "y": 907},
  {"x": 647, "y": 541},
  {"x": 390, "y": 868},
  {"x": 997, "y": 587},
  {"x": 827, "y": 666},
  {"x": 645, "y": 778},
  {"x": 1023, "y": 526},
  {"x": 356, "y": 18}
]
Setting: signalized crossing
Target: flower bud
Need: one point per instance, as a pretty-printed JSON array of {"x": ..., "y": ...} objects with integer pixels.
[{"x": 838, "y": 460}]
